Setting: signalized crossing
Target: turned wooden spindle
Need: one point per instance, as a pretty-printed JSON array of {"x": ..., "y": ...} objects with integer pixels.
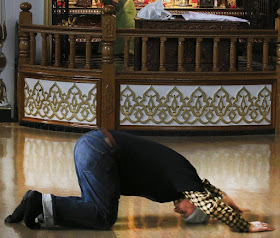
[
  {"x": 198, "y": 55},
  {"x": 180, "y": 67},
  {"x": 32, "y": 47},
  {"x": 162, "y": 54},
  {"x": 232, "y": 67},
  {"x": 216, "y": 54},
  {"x": 249, "y": 67},
  {"x": 126, "y": 52},
  {"x": 144, "y": 53},
  {"x": 88, "y": 52},
  {"x": 44, "y": 49},
  {"x": 57, "y": 50},
  {"x": 72, "y": 52},
  {"x": 265, "y": 54}
]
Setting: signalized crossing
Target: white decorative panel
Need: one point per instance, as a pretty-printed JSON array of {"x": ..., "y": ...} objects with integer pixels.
[
  {"x": 195, "y": 105},
  {"x": 60, "y": 101}
]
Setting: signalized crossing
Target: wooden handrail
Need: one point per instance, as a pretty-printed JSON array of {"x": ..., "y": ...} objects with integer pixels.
[{"x": 189, "y": 33}]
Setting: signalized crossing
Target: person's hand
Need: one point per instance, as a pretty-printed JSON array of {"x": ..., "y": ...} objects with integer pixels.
[
  {"x": 257, "y": 226},
  {"x": 229, "y": 202}
]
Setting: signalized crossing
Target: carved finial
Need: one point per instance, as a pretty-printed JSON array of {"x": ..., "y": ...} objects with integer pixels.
[
  {"x": 108, "y": 9},
  {"x": 25, "y": 6},
  {"x": 278, "y": 12}
]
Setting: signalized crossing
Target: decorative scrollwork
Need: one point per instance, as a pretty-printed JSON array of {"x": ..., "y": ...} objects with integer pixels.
[
  {"x": 195, "y": 105},
  {"x": 57, "y": 103}
]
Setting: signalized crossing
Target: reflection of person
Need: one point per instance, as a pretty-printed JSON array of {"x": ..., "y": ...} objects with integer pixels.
[{"x": 110, "y": 164}]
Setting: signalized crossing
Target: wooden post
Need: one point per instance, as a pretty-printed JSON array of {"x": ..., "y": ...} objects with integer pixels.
[
  {"x": 277, "y": 114},
  {"x": 108, "y": 83},
  {"x": 25, "y": 17}
]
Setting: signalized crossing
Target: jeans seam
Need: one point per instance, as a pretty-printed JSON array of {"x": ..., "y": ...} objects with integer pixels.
[{"x": 93, "y": 147}]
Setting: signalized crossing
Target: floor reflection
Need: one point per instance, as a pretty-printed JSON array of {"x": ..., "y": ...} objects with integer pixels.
[{"x": 246, "y": 166}]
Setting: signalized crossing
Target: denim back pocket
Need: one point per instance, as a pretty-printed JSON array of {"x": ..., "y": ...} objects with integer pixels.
[{"x": 87, "y": 155}]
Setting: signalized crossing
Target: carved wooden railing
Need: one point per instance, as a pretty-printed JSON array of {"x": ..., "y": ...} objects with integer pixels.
[
  {"x": 248, "y": 37},
  {"x": 106, "y": 72},
  {"x": 108, "y": 34}
]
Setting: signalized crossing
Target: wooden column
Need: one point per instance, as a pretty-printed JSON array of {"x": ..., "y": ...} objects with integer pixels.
[
  {"x": 277, "y": 114},
  {"x": 25, "y": 17},
  {"x": 108, "y": 84}
]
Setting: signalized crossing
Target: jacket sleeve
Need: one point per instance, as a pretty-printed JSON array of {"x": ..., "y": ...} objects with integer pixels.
[
  {"x": 215, "y": 192},
  {"x": 218, "y": 210}
]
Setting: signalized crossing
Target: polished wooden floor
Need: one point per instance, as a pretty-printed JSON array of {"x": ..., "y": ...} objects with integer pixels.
[{"x": 246, "y": 167}]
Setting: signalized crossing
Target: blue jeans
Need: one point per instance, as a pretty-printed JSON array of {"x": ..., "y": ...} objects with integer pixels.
[{"x": 98, "y": 177}]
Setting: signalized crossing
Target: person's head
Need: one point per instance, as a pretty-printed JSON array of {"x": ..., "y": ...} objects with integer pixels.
[{"x": 189, "y": 212}]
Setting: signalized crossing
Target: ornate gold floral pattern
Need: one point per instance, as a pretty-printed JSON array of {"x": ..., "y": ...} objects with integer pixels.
[
  {"x": 195, "y": 105},
  {"x": 51, "y": 100}
]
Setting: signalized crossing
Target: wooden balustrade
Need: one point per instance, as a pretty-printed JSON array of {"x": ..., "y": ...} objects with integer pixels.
[
  {"x": 29, "y": 33},
  {"x": 245, "y": 39},
  {"x": 238, "y": 41}
]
